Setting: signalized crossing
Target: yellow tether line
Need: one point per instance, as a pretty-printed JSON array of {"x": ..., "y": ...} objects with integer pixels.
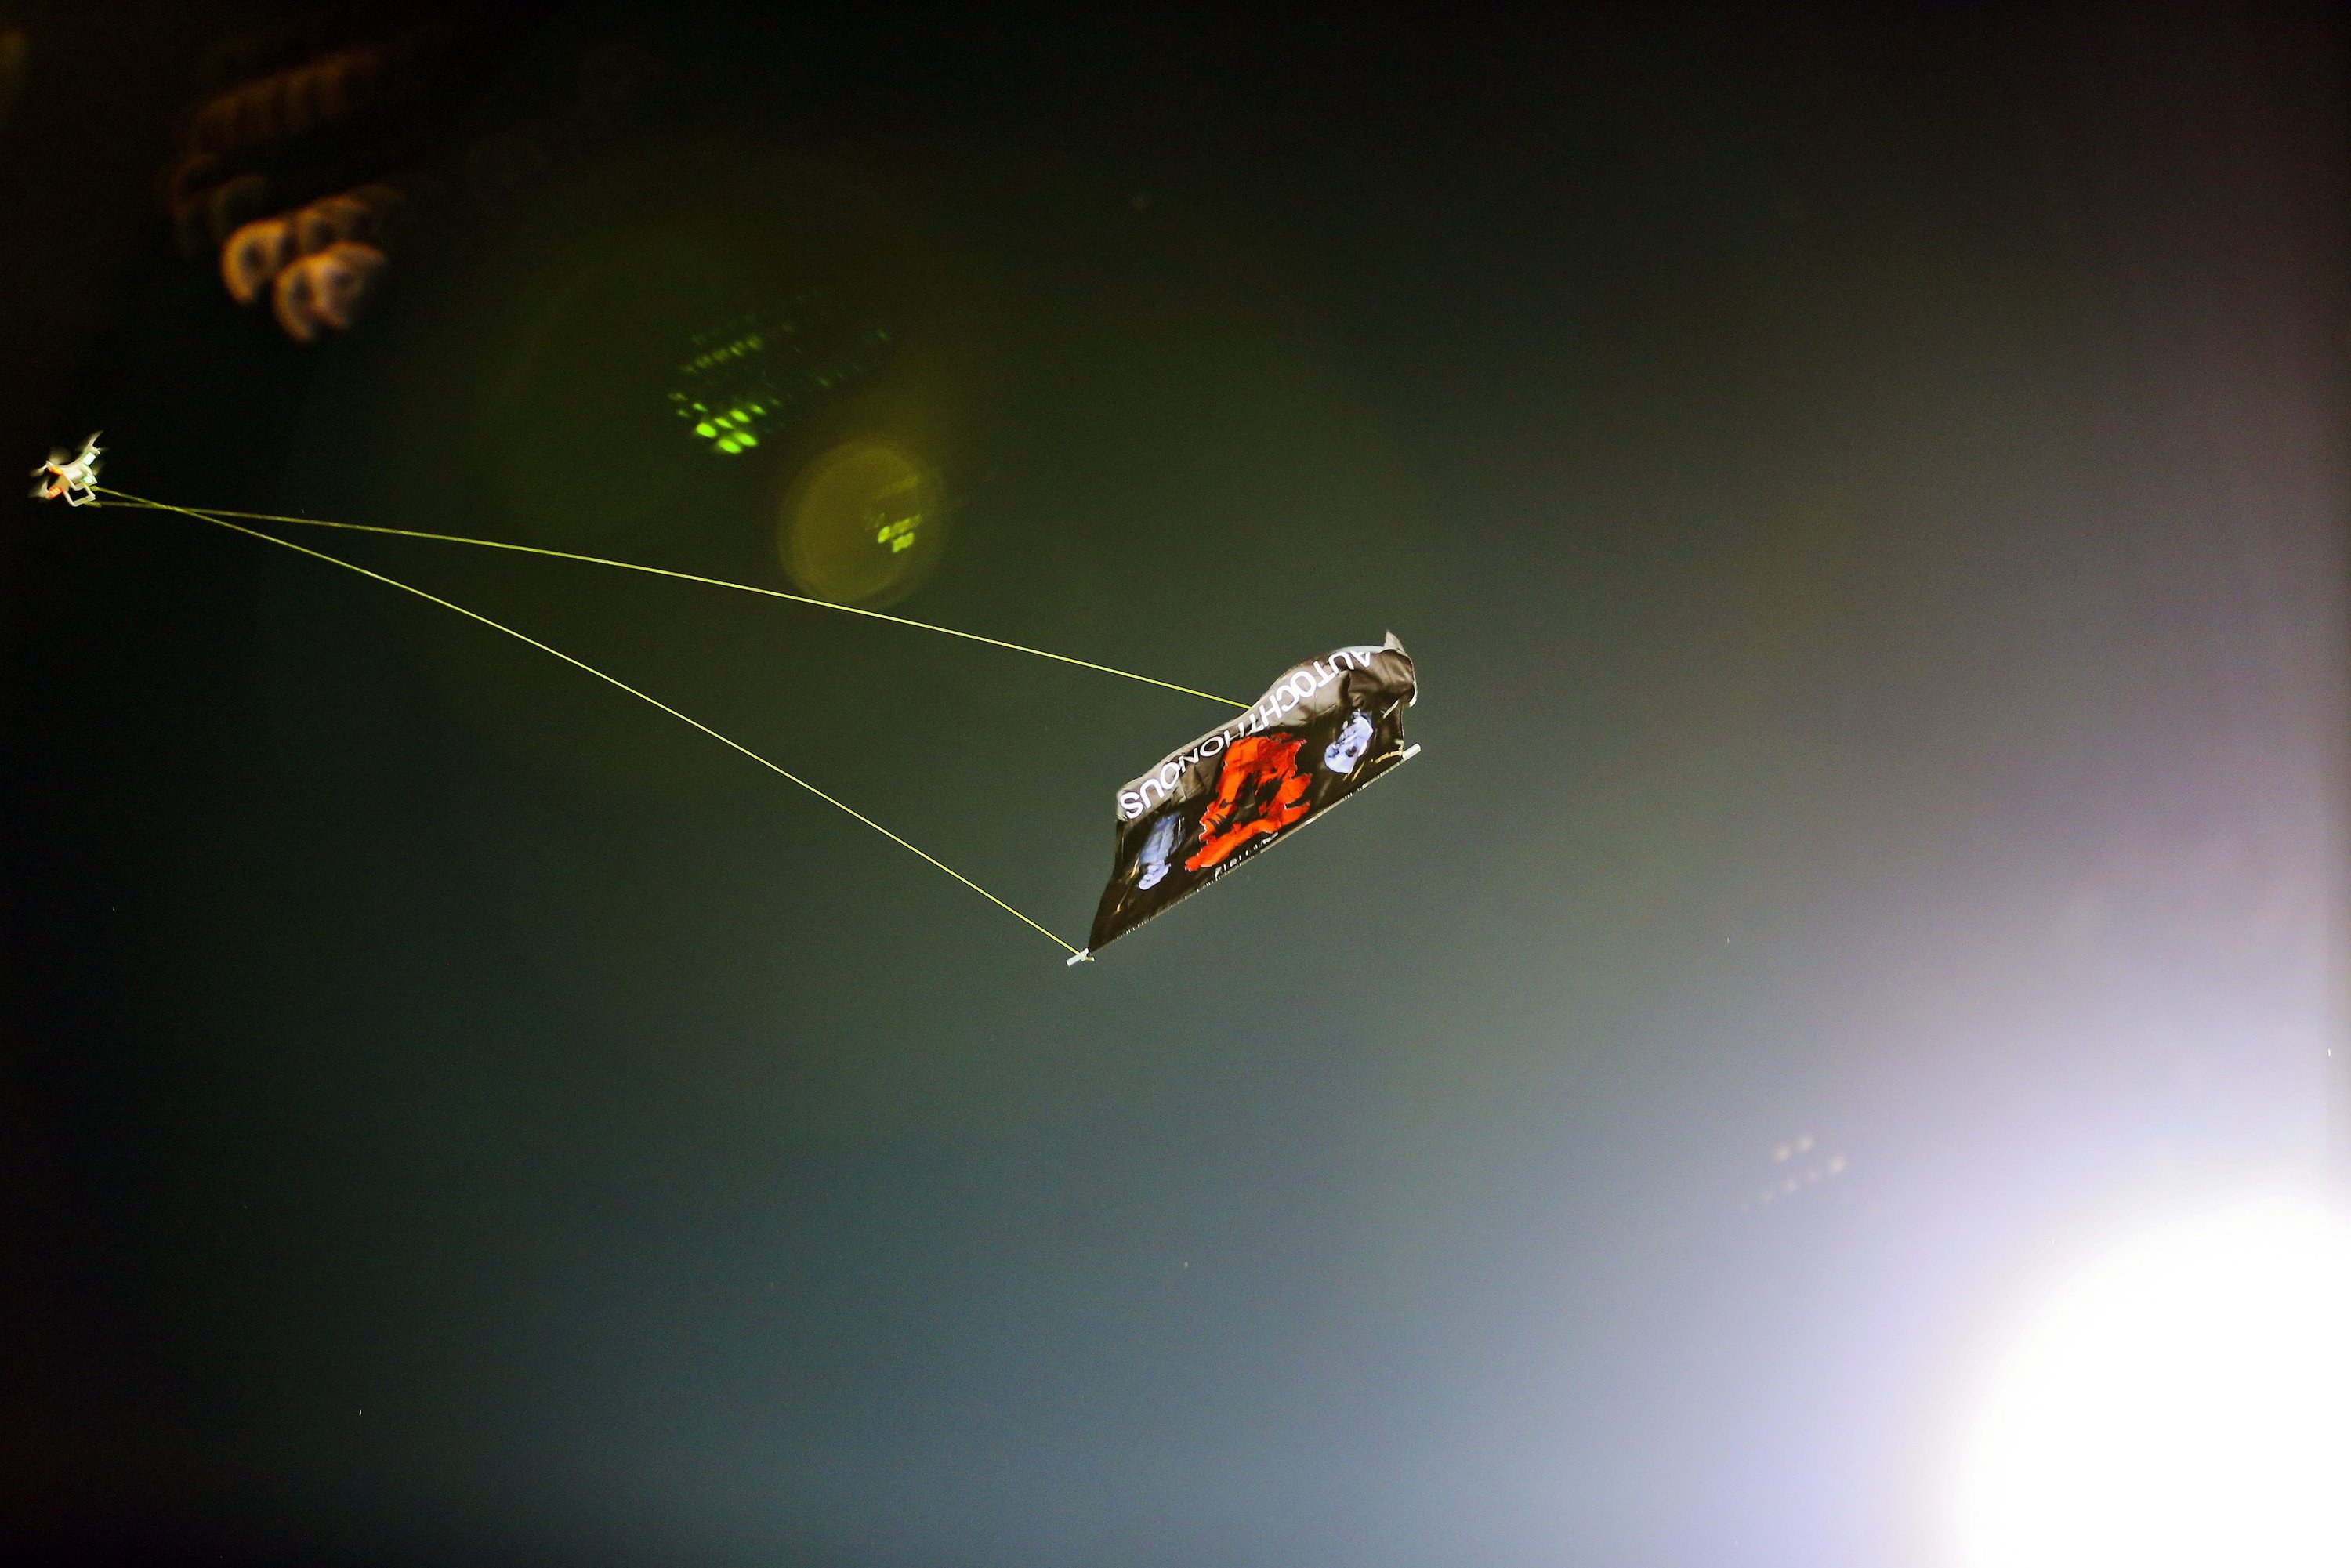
[
  {"x": 681, "y": 577},
  {"x": 615, "y": 680}
]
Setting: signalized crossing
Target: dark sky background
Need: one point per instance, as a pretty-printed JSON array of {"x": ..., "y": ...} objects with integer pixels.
[{"x": 1864, "y": 500}]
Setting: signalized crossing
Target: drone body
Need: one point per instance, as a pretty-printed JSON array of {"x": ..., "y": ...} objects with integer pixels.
[{"x": 74, "y": 478}]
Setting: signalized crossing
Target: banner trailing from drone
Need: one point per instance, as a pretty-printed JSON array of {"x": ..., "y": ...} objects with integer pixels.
[{"x": 1325, "y": 729}]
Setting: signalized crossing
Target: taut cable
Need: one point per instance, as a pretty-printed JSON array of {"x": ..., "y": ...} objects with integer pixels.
[{"x": 615, "y": 680}]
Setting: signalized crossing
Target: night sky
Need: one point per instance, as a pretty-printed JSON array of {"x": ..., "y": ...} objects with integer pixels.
[{"x": 1864, "y": 499}]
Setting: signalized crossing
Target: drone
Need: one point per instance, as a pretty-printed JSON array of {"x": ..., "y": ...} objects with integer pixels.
[{"x": 76, "y": 479}]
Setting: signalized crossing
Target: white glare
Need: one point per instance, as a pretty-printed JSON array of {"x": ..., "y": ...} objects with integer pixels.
[{"x": 2184, "y": 1400}]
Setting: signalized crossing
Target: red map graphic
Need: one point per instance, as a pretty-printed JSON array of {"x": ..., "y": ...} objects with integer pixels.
[{"x": 1259, "y": 791}]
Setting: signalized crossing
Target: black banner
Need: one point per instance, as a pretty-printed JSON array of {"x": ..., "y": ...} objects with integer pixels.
[{"x": 1322, "y": 731}]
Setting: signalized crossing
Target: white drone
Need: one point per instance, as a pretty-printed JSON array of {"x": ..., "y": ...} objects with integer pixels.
[{"x": 76, "y": 479}]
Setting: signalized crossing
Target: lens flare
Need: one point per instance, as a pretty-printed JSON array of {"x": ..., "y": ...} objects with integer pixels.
[
  {"x": 861, "y": 524},
  {"x": 2184, "y": 1399}
]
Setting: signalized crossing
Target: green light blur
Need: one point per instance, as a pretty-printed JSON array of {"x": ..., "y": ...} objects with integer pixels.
[{"x": 764, "y": 367}]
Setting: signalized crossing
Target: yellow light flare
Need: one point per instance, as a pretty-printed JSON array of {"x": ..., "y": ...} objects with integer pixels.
[{"x": 861, "y": 524}]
